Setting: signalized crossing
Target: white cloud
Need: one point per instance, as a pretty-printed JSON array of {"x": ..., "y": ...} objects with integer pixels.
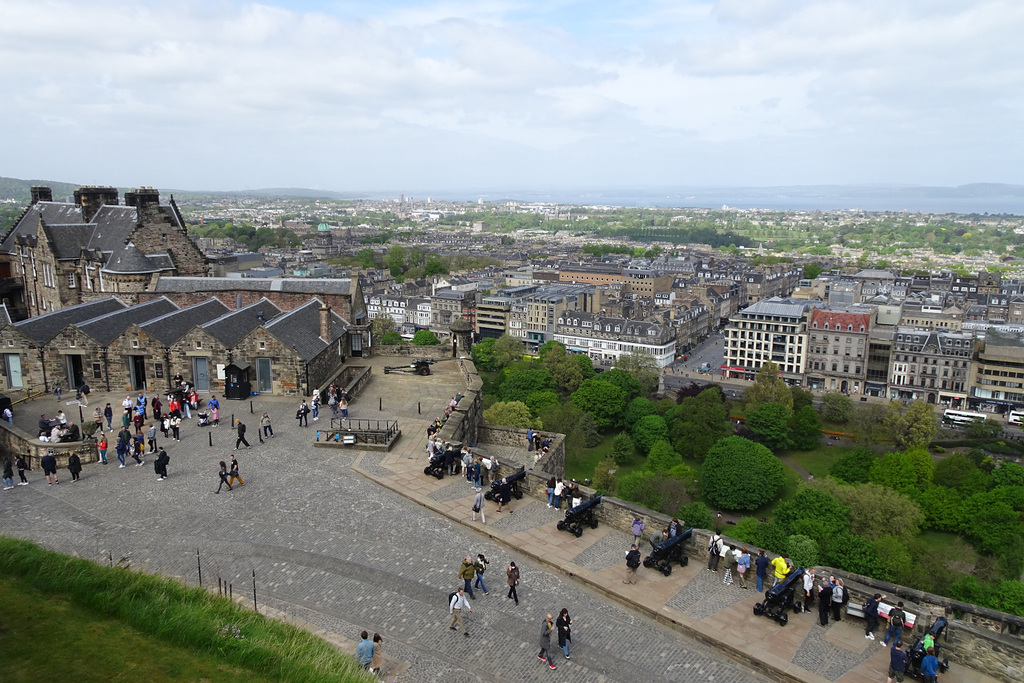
[{"x": 486, "y": 92}]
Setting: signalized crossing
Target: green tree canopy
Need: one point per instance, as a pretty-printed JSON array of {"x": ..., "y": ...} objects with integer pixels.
[
  {"x": 910, "y": 427},
  {"x": 813, "y": 513},
  {"x": 549, "y": 346},
  {"x": 538, "y": 401},
  {"x": 630, "y": 385},
  {"x": 662, "y": 457},
  {"x": 836, "y": 407},
  {"x": 698, "y": 422},
  {"x": 854, "y": 467},
  {"x": 381, "y": 324},
  {"x": 985, "y": 429},
  {"x": 906, "y": 472},
  {"x": 852, "y": 553},
  {"x": 508, "y": 349},
  {"x": 639, "y": 407},
  {"x": 391, "y": 338},
  {"x": 623, "y": 450},
  {"x": 941, "y": 508},
  {"x": 586, "y": 365},
  {"x": 648, "y": 430},
  {"x": 805, "y": 429},
  {"x": 396, "y": 260},
  {"x": 956, "y": 471},
  {"x": 769, "y": 422},
  {"x": 604, "y": 401},
  {"x": 1008, "y": 474},
  {"x": 739, "y": 474},
  {"x": 511, "y": 414},
  {"x": 642, "y": 366},
  {"x": 877, "y": 511},
  {"x": 517, "y": 384},
  {"x": 803, "y": 550},
  {"x": 768, "y": 387},
  {"x": 425, "y": 338},
  {"x": 483, "y": 355},
  {"x": 695, "y": 514},
  {"x": 801, "y": 398},
  {"x": 990, "y": 523},
  {"x": 812, "y": 270}
]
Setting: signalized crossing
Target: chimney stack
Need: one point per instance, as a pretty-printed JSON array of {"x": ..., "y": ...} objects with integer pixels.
[
  {"x": 92, "y": 198},
  {"x": 41, "y": 193},
  {"x": 325, "y": 323}
]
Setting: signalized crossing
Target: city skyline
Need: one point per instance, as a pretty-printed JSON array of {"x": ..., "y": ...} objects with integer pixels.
[{"x": 421, "y": 97}]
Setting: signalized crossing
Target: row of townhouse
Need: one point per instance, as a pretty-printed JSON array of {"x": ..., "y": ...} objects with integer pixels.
[{"x": 865, "y": 349}]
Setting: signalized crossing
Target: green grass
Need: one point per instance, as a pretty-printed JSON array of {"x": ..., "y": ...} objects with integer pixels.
[
  {"x": 48, "y": 638},
  {"x": 173, "y": 615},
  {"x": 819, "y": 461},
  {"x": 582, "y": 467}
]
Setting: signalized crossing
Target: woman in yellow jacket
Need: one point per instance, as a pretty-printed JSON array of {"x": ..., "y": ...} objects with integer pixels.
[{"x": 782, "y": 567}]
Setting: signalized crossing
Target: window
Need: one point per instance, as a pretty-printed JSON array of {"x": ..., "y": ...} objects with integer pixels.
[
  {"x": 262, "y": 345},
  {"x": 96, "y": 373},
  {"x": 135, "y": 343},
  {"x": 71, "y": 280},
  {"x": 199, "y": 344}
]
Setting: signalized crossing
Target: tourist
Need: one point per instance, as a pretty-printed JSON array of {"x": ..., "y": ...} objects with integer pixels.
[
  {"x": 478, "y": 506},
  {"x": 480, "y": 565},
  {"x": 22, "y": 467},
  {"x": 545, "y": 641},
  {"x": 632, "y": 562},
  {"x": 108, "y": 415},
  {"x": 378, "y": 655},
  {"x": 49, "y": 465},
  {"x": 302, "y": 414},
  {"x": 234, "y": 472},
  {"x": 364, "y": 651},
  {"x": 742, "y": 565},
  {"x": 223, "y": 474},
  {"x": 240, "y": 430},
  {"x": 214, "y": 405},
  {"x": 9, "y": 476},
  {"x": 564, "y": 624},
  {"x": 176, "y": 427},
  {"x": 512, "y": 576},
  {"x": 343, "y": 405},
  {"x": 467, "y": 572},
  {"x": 101, "y": 446},
  {"x": 268, "y": 431},
  {"x": 151, "y": 437},
  {"x": 455, "y": 607},
  {"x": 160, "y": 465}
]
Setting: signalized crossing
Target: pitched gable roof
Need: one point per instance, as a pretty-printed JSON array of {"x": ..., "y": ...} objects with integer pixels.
[
  {"x": 43, "y": 328},
  {"x": 300, "y": 329},
  {"x": 171, "y": 327},
  {"x": 105, "y": 328},
  {"x": 232, "y": 328}
]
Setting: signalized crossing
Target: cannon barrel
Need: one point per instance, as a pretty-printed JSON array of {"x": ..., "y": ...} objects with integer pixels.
[
  {"x": 777, "y": 591},
  {"x": 583, "y": 507},
  {"x": 665, "y": 546}
]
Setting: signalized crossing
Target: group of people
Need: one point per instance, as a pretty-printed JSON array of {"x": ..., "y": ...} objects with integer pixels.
[
  {"x": 559, "y": 490},
  {"x": 370, "y": 652},
  {"x": 58, "y": 429},
  {"x": 540, "y": 445}
]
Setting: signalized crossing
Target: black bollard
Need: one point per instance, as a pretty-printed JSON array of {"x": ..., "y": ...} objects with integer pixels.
[
  {"x": 199, "y": 563},
  {"x": 232, "y": 420},
  {"x": 418, "y": 409},
  {"x": 250, "y": 407},
  {"x": 81, "y": 418},
  {"x": 211, "y": 438},
  {"x": 380, "y": 404},
  {"x": 255, "y": 609}
]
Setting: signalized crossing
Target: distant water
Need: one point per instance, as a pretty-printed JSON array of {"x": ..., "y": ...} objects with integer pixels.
[{"x": 992, "y": 199}]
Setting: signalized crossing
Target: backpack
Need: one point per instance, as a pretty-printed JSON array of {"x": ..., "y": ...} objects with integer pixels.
[
  {"x": 713, "y": 546},
  {"x": 897, "y": 618},
  {"x": 633, "y": 559},
  {"x": 451, "y": 596}
]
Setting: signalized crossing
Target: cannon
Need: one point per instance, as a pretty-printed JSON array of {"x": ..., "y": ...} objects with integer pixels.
[
  {"x": 513, "y": 481},
  {"x": 576, "y": 517},
  {"x": 780, "y": 597},
  {"x": 419, "y": 366},
  {"x": 916, "y": 652},
  {"x": 669, "y": 551},
  {"x": 436, "y": 466}
]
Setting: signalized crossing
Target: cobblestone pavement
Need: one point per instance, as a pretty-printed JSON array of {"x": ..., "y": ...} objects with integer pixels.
[{"x": 343, "y": 553}]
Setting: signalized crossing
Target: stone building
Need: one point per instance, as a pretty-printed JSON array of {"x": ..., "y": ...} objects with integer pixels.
[
  {"x": 930, "y": 365},
  {"x": 837, "y": 348},
  {"x": 771, "y": 330},
  {"x": 605, "y": 339},
  {"x": 60, "y": 254}
]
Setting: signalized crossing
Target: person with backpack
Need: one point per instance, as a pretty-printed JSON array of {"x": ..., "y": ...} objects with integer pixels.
[
  {"x": 838, "y": 599},
  {"x": 637, "y": 528},
  {"x": 896, "y": 619},
  {"x": 480, "y": 566},
  {"x": 871, "y": 615},
  {"x": 456, "y": 603},
  {"x": 632, "y": 562},
  {"x": 714, "y": 552}
]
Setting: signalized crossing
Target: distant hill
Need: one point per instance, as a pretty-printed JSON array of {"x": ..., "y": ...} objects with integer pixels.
[{"x": 18, "y": 189}]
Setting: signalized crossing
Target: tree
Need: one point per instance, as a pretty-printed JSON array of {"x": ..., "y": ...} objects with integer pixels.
[
  {"x": 549, "y": 346},
  {"x": 396, "y": 260},
  {"x": 483, "y": 355},
  {"x": 630, "y": 385},
  {"x": 538, "y": 401},
  {"x": 866, "y": 423},
  {"x": 425, "y": 338},
  {"x": 803, "y": 551},
  {"x": 508, "y": 349},
  {"x": 769, "y": 422},
  {"x": 698, "y": 422},
  {"x": 604, "y": 401},
  {"x": 812, "y": 270},
  {"x": 893, "y": 557},
  {"x": 639, "y": 407},
  {"x": 517, "y": 384},
  {"x": 985, "y": 429},
  {"x": 391, "y": 338},
  {"x": 695, "y": 514},
  {"x": 366, "y": 257},
  {"x": 415, "y": 257},
  {"x": 640, "y": 487},
  {"x": 911, "y": 427},
  {"x": 801, "y": 398},
  {"x": 941, "y": 508},
  {"x": 853, "y": 554},
  {"x": 836, "y": 408},
  {"x": 662, "y": 457},
  {"x": 813, "y": 513},
  {"x": 805, "y": 429},
  {"x": 647, "y": 431},
  {"x": 956, "y": 471},
  {"x": 1008, "y": 474},
  {"x": 435, "y": 266},
  {"x": 739, "y": 474},
  {"x": 906, "y": 472},
  {"x": 586, "y": 365},
  {"x": 877, "y": 511},
  {"x": 642, "y": 366},
  {"x": 623, "y": 449},
  {"x": 854, "y": 467},
  {"x": 604, "y": 476},
  {"x": 381, "y": 324},
  {"x": 511, "y": 414},
  {"x": 768, "y": 387},
  {"x": 990, "y": 523}
]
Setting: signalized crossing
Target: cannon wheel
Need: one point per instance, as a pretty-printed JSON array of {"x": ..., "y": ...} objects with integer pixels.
[
  {"x": 439, "y": 474},
  {"x": 684, "y": 561},
  {"x": 561, "y": 525},
  {"x": 593, "y": 524},
  {"x": 426, "y": 470},
  {"x": 578, "y": 531},
  {"x": 667, "y": 569},
  {"x": 783, "y": 619},
  {"x": 758, "y": 609},
  {"x": 648, "y": 562},
  {"x": 489, "y": 496},
  {"x": 518, "y": 495},
  {"x": 797, "y": 607},
  {"x": 423, "y": 372}
]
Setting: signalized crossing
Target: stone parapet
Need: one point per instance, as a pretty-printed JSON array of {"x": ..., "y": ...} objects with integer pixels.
[{"x": 15, "y": 442}]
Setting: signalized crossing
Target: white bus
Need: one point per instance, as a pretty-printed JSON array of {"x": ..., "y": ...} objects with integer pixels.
[
  {"x": 962, "y": 417},
  {"x": 1015, "y": 417}
]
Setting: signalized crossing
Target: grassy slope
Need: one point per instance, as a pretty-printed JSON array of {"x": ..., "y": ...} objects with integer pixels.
[
  {"x": 171, "y": 614},
  {"x": 48, "y": 638}
]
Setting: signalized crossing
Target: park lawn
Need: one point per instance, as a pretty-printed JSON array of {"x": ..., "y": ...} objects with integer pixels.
[
  {"x": 48, "y": 638},
  {"x": 818, "y": 461}
]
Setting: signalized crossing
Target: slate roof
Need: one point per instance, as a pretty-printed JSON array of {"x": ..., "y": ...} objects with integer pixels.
[
  {"x": 113, "y": 225},
  {"x": 255, "y": 284},
  {"x": 300, "y": 329},
  {"x": 5, "y": 316},
  {"x": 232, "y": 328},
  {"x": 56, "y": 213},
  {"x": 43, "y": 328},
  {"x": 68, "y": 240},
  {"x": 130, "y": 259},
  {"x": 105, "y": 328},
  {"x": 777, "y": 306},
  {"x": 171, "y": 327}
]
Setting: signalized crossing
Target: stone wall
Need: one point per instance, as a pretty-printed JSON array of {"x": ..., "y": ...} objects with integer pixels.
[
  {"x": 411, "y": 351},
  {"x": 462, "y": 426},
  {"x": 15, "y": 442},
  {"x": 351, "y": 377},
  {"x": 553, "y": 463}
]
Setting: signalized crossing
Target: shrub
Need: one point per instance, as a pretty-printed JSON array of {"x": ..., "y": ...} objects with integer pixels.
[
  {"x": 854, "y": 467},
  {"x": 695, "y": 514},
  {"x": 391, "y": 338},
  {"x": 739, "y": 474},
  {"x": 623, "y": 451},
  {"x": 425, "y": 338},
  {"x": 647, "y": 431},
  {"x": 802, "y": 550},
  {"x": 641, "y": 488},
  {"x": 604, "y": 479},
  {"x": 662, "y": 457}
]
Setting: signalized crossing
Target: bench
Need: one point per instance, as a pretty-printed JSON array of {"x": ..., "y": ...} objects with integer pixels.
[{"x": 857, "y": 610}]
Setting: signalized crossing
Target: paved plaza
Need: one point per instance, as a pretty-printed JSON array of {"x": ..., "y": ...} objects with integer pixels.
[{"x": 349, "y": 540}]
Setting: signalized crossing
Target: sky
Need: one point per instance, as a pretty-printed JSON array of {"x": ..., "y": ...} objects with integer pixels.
[{"x": 503, "y": 95}]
